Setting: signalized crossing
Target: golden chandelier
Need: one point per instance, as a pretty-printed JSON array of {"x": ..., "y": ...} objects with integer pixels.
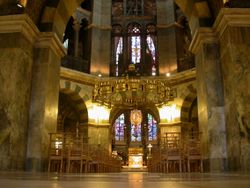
[{"x": 133, "y": 91}]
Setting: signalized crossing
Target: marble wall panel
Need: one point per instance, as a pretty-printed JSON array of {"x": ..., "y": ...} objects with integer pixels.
[
  {"x": 15, "y": 80},
  {"x": 235, "y": 70},
  {"x": 99, "y": 135},
  {"x": 101, "y": 38},
  {"x": 100, "y": 53},
  {"x": 167, "y": 50}
]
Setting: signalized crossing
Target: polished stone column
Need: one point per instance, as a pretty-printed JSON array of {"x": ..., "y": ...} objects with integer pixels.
[
  {"x": 210, "y": 100},
  {"x": 126, "y": 58},
  {"x": 44, "y": 99},
  {"x": 166, "y": 34},
  {"x": 232, "y": 27},
  {"x": 101, "y": 37},
  {"x": 76, "y": 27}
]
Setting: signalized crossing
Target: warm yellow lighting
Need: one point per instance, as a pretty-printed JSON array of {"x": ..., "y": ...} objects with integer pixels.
[
  {"x": 135, "y": 161},
  {"x": 136, "y": 117},
  {"x": 20, "y": 6},
  {"x": 131, "y": 90},
  {"x": 98, "y": 113},
  {"x": 21, "y": 3},
  {"x": 169, "y": 113},
  {"x": 168, "y": 74},
  {"x": 58, "y": 144}
]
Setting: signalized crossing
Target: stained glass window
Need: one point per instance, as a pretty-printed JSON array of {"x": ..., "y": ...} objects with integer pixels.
[
  {"x": 119, "y": 128},
  {"x": 135, "y": 43},
  {"x": 117, "y": 54},
  {"x": 66, "y": 43},
  {"x": 140, "y": 42},
  {"x": 135, "y": 133},
  {"x": 136, "y": 49},
  {"x": 152, "y": 128},
  {"x": 151, "y": 46}
]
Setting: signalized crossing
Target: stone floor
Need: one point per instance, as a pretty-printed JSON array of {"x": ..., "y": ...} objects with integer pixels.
[{"x": 123, "y": 180}]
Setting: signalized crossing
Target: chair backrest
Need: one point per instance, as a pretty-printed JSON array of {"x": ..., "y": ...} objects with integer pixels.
[
  {"x": 193, "y": 147},
  {"x": 56, "y": 146}
]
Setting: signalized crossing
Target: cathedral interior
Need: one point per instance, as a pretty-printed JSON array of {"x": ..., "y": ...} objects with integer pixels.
[{"x": 100, "y": 86}]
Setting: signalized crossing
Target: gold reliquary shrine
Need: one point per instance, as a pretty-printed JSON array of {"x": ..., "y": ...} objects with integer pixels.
[{"x": 135, "y": 157}]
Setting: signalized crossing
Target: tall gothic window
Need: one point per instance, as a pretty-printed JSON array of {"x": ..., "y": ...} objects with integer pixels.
[
  {"x": 135, "y": 133},
  {"x": 134, "y": 43},
  {"x": 137, "y": 46},
  {"x": 152, "y": 128},
  {"x": 151, "y": 48},
  {"x": 119, "y": 128},
  {"x": 118, "y": 53},
  {"x": 117, "y": 50}
]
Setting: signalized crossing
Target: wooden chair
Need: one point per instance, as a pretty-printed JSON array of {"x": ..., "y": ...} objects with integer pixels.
[
  {"x": 174, "y": 152},
  {"x": 56, "y": 152},
  {"x": 74, "y": 155},
  {"x": 96, "y": 164},
  {"x": 194, "y": 156},
  {"x": 154, "y": 162},
  {"x": 86, "y": 158}
]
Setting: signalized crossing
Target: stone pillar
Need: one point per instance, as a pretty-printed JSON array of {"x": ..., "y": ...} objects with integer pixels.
[
  {"x": 210, "y": 99},
  {"x": 124, "y": 7},
  {"x": 166, "y": 35},
  {"x": 17, "y": 36},
  {"x": 143, "y": 65},
  {"x": 233, "y": 29},
  {"x": 101, "y": 37},
  {"x": 142, "y": 7},
  {"x": 76, "y": 27},
  {"x": 44, "y": 99},
  {"x": 125, "y": 59}
]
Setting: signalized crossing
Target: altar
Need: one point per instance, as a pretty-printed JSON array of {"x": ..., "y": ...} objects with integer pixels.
[{"x": 135, "y": 158}]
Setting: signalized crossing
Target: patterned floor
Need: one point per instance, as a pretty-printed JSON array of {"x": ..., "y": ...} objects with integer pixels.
[{"x": 123, "y": 180}]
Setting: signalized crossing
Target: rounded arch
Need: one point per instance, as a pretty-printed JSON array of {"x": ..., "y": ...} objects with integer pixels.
[
  {"x": 117, "y": 29},
  {"x": 189, "y": 97},
  {"x": 151, "y": 28},
  {"x": 78, "y": 96},
  {"x": 131, "y": 26},
  {"x": 56, "y": 14}
]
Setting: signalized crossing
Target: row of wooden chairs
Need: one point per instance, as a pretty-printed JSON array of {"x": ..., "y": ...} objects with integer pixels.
[
  {"x": 176, "y": 154},
  {"x": 68, "y": 153}
]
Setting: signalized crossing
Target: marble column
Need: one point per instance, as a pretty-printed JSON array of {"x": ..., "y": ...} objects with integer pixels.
[
  {"x": 233, "y": 28},
  {"x": 44, "y": 99},
  {"x": 17, "y": 36},
  {"x": 76, "y": 27},
  {"x": 166, "y": 37},
  {"x": 210, "y": 100},
  {"x": 101, "y": 37}
]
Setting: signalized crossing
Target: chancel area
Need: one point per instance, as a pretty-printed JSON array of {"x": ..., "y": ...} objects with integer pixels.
[{"x": 101, "y": 86}]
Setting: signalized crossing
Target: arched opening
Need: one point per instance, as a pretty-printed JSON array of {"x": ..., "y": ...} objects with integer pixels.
[
  {"x": 130, "y": 140},
  {"x": 72, "y": 115}
]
